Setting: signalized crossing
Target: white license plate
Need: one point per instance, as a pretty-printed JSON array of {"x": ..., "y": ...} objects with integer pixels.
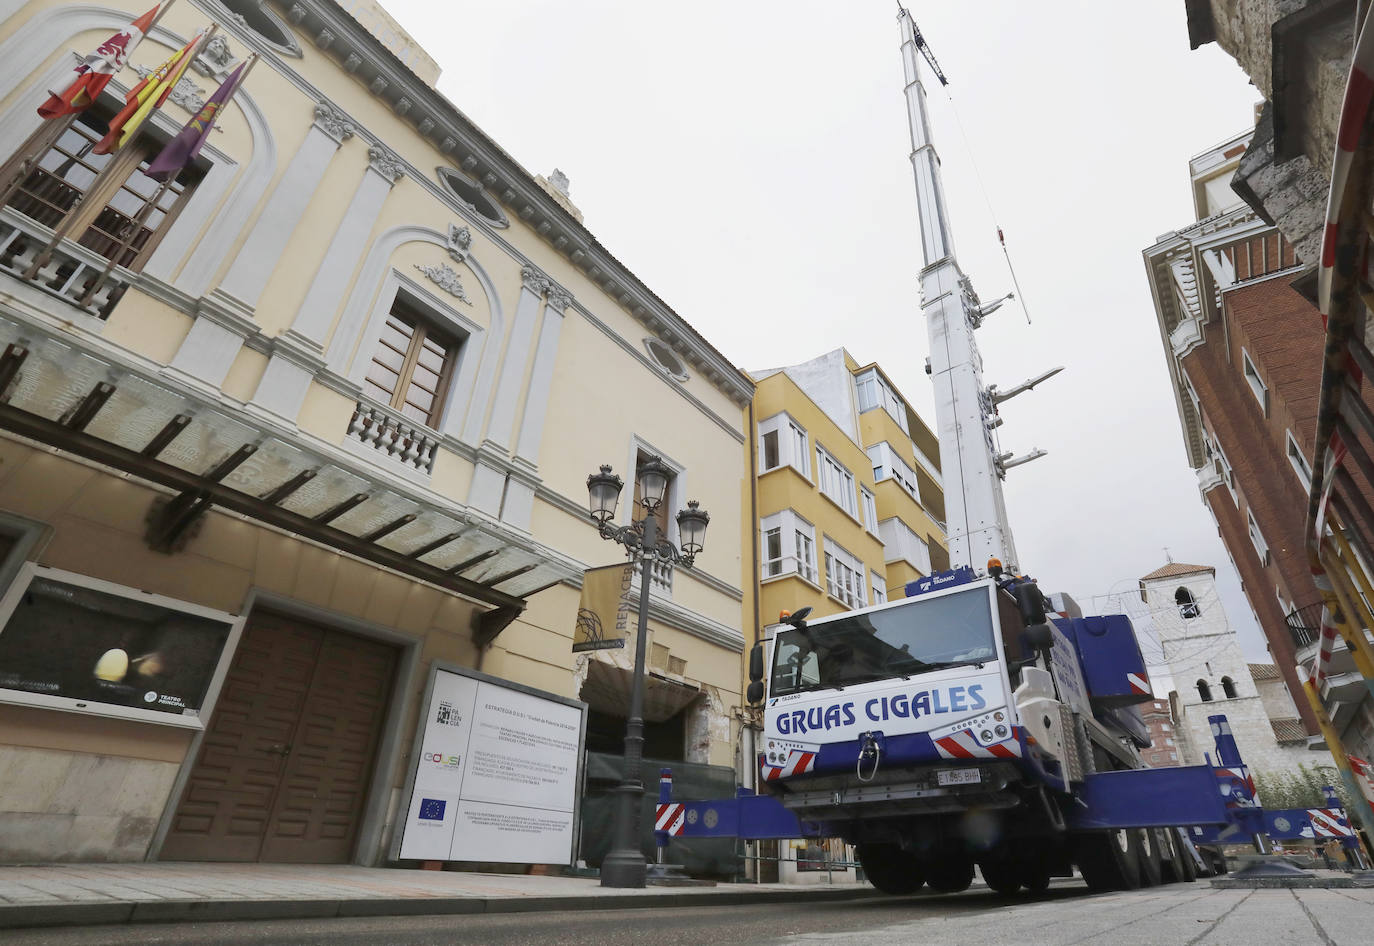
[{"x": 958, "y": 776}]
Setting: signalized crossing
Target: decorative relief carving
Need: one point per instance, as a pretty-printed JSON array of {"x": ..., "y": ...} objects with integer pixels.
[
  {"x": 324, "y": 39},
  {"x": 378, "y": 86},
  {"x": 352, "y": 63},
  {"x": 385, "y": 162},
  {"x": 459, "y": 240},
  {"x": 448, "y": 144},
  {"x": 402, "y": 105},
  {"x": 534, "y": 280},
  {"x": 334, "y": 122},
  {"x": 426, "y": 126},
  {"x": 216, "y": 58},
  {"x": 559, "y": 298},
  {"x": 446, "y": 278},
  {"x": 185, "y": 93},
  {"x": 296, "y": 13}
]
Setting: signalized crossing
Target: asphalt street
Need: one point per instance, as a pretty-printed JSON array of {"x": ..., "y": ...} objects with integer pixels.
[{"x": 1178, "y": 915}]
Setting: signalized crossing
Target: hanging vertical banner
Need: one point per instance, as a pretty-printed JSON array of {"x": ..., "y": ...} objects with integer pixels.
[
  {"x": 606, "y": 611},
  {"x": 496, "y": 775}
]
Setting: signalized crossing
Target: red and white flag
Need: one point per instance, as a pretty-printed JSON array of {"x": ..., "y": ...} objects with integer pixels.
[{"x": 94, "y": 72}]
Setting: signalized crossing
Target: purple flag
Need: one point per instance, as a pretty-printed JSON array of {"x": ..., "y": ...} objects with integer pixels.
[{"x": 182, "y": 149}]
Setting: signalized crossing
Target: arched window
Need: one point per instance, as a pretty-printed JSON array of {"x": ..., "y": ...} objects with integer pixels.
[
  {"x": 1228, "y": 686},
  {"x": 1187, "y": 605},
  {"x": 1204, "y": 691}
]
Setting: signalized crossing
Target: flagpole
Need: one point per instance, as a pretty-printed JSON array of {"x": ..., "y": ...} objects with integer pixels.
[
  {"x": 65, "y": 225},
  {"x": 56, "y": 128},
  {"x": 137, "y": 223}
]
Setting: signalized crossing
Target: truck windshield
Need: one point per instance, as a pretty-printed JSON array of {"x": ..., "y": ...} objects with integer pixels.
[{"x": 926, "y": 634}]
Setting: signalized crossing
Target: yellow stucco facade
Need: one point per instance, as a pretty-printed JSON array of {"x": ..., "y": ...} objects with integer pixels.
[
  {"x": 829, "y": 508},
  {"x": 338, "y": 186}
]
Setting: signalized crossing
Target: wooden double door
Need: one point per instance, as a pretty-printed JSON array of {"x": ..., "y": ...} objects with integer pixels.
[{"x": 284, "y": 767}]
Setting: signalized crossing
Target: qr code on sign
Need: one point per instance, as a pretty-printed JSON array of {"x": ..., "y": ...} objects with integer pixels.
[{"x": 448, "y": 716}]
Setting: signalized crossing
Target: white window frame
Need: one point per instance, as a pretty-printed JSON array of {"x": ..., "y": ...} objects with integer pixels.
[
  {"x": 1298, "y": 461},
  {"x": 890, "y": 464},
  {"x": 20, "y": 587},
  {"x": 844, "y": 576},
  {"x": 1252, "y": 378},
  {"x": 1228, "y": 475},
  {"x": 1257, "y": 538},
  {"x": 882, "y": 395},
  {"x": 878, "y": 584},
  {"x": 791, "y": 560},
  {"x": 793, "y": 444},
  {"x": 902, "y": 543},
  {"x": 836, "y": 482},
  {"x": 870, "y": 507},
  {"x": 1192, "y": 395}
]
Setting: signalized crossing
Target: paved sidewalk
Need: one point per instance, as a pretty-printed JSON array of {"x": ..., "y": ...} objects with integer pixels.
[{"x": 83, "y": 894}]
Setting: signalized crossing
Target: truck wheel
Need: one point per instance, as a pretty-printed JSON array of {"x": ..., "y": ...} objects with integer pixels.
[
  {"x": 1150, "y": 856},
  {"x": 1036, "y": 878},
  {"x": 890, "y": 869},
  {"x": 1002, "y": 877},
  {"x": 1187, "y": 866},
  {"x": 1171, "y": 856},
  {"x": 951, "y": 876},
  {"x": 1109, "y": 860}
]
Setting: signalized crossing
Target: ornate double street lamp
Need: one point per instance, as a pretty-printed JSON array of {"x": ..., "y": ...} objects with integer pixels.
[{"x": 625, "y": 866}]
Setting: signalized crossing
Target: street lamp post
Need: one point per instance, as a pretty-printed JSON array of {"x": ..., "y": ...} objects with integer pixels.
[{"x": 625, "y": 865}]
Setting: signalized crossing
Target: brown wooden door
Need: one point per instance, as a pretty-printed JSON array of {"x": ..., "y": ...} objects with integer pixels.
[{"x": 283, "y": 769}]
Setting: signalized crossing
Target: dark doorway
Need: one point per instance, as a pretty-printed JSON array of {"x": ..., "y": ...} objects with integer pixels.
[{"x": 284, "y": 767}]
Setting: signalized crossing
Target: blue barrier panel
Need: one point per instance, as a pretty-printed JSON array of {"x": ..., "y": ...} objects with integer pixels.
[
  {"x": 1149, "y": 798},
  {"x": 749, "y": 816},
  {"x": 1286, "y": 824}
]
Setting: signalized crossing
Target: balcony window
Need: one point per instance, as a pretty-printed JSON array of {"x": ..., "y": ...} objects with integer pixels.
[
  {"x": 782, "y": 442},
  {"x": 870, "y": 510},
  {"x": 888, "y": 464},
  {"x": 412, "y": 364},
  {"x": 837, "y": 482},
  {"x": 901, "y": 543},
  {"x": 875, "y": 392},
  {"x": 789, "y": 546},
  {"x": 844, "y": 576},
  {"x": 879, "y": 585},
  {"x": 63, "y": 183}
]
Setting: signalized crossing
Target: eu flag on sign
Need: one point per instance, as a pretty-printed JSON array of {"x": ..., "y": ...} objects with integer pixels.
[{"x": 432, "y": 809}]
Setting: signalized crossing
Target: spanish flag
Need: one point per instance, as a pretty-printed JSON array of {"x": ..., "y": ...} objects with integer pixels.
[
  {"x": 94, "y": 72},
  {"x": 146, "y": 96}
]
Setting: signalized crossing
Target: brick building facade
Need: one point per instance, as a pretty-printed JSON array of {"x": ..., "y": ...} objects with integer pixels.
[
  {"x": 1244, "y": 346},
  {"x": 1164, "y": 747},
  {"x": 1244, "y": 352}
]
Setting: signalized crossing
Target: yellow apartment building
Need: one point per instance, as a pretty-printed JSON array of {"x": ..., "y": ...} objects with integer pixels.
[
  {"x": 850, "y": 500},
  {"x": 284, "y": 440}
]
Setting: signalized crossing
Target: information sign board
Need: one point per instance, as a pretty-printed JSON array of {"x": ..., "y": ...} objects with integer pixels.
[{"x": 497, "y": 773}]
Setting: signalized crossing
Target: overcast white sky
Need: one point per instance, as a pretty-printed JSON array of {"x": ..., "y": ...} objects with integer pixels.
[{"x": 749, "y": 160}]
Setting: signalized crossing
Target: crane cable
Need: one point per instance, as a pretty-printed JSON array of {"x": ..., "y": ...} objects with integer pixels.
[{"x": 978, "y": 175}]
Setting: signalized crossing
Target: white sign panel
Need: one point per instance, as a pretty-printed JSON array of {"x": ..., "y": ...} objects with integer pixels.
[{"x": 497, "y": 775}]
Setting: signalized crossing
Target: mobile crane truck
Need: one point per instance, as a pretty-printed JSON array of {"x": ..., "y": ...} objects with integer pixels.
[
  {"x": 965, "y": 725},
  {"x": 973, "y": 721}
]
